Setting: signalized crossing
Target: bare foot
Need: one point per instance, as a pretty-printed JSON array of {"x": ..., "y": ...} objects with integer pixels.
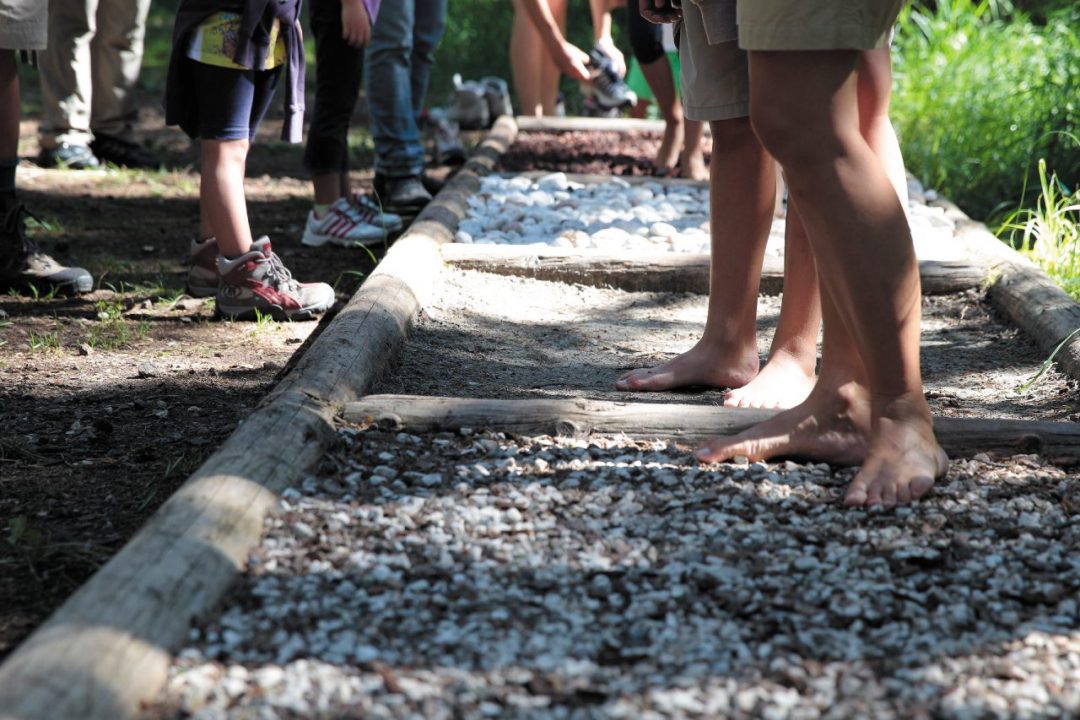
[
  {"x": 831, "y": 425},
  {"x": 668, "y": 154},
  {"x": 701, "y": 365},
  {"x": 784, "y": 382},
  {"x": 904, "y": 459},
  {"x": 692, "y": 165}
]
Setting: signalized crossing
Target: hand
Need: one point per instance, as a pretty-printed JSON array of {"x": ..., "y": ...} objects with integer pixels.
[
  {"x": 617, "y": 60},
  {"x": 573, "y": 62},
  {"x": 355, "y": 23},
  {"x": 660, "y": 11}
]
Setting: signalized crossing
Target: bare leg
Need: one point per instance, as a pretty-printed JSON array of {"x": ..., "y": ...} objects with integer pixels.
[
  {"x": 788, "y": 376},
  {"x": 536, "y": 77},
  {"x": 222, "y": 205},
  {"x": 658, "y": 76},
  {"x": 805, "y": 111},
  {"x": 329, "y": 187},
  {"x": 873, "y": 90},
  {"x": 692, "y": 159},
  {"x": 740, "y": 205}
]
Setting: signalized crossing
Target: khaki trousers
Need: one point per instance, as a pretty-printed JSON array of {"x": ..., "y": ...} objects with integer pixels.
[{"x": 90, "y": 68}]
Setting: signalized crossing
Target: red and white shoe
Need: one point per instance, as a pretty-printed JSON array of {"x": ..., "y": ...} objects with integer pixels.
[
  {"x": 340, "y": 225},
  {"x": 258, "y": 280}
]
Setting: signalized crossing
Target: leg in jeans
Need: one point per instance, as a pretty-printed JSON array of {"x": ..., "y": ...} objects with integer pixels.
[
  {"x": 116, "y": 53},
  {"x": 339, "y": 71},
  {"x": 868, "y": 403},
  {"x": 66, "y": 73},
  {"x": 390, "y": 82}
]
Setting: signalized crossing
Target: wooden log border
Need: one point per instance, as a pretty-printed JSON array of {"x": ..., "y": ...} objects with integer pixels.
[
  {"x": 107, "y": 649},
  {"x": 662, "y": 272},
  {"x": 1057, "y": 442},
  {"x": 1022, "y": 292}
]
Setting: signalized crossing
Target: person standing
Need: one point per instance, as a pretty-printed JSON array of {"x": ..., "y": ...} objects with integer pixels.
[
  {"x": 88, "y": 77},
  {"x": 22, "y": 264},
  {"x": 398, "y": 66}
]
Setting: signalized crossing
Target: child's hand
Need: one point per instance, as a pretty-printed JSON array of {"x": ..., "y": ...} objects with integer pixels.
[
  {"x": 355, "y": 23},
  {"x": 607, "y": 45}
]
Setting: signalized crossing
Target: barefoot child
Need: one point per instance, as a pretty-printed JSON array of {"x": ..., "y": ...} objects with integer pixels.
[
  {"x": 342, "y": 29},
  {"x": 726, "y": 355},
  {"x": 227, "y": 58}
]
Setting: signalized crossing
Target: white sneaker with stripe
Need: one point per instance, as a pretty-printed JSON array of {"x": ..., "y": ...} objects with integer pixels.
[{"x": 340, "y": 225}]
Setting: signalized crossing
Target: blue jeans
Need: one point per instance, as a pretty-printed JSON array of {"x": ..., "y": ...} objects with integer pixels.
[{"x": 398, "y": 65}]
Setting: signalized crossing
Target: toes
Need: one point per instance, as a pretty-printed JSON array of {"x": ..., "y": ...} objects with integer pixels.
[
  {"x": 920, "y": 486},
  {"x": 856, "y": 495}
]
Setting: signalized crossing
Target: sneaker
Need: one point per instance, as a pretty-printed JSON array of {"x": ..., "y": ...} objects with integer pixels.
[
  {"x": 341, "y": 225},
  {"x": 202, "y": 279},
  {"x": 470, "y": 107},
  {"x": 259, "y": 281},
  {"x": 497, "y": 94},
  {"x": 448, "y": 148},
  {"x": 367, "y": 209},
  {"x": 401, "y": 195},
  {"x": 23, "y": 265},
  {"x": 124, "y": 153},
  {"x": 609, "y": 90},
  {"x": 70, "y": 156}
]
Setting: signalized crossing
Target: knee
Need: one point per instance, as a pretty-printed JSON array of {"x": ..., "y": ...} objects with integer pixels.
[{"x": 778, "y": 127}]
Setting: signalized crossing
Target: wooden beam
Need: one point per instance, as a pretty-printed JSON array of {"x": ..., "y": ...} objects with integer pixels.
[
  {"x": 1054, "y": 441},
  {"x": 660, "y": 272},
  {"x": 1023, "y": 292},
  {"x": 587, "y": 124},
  {"x": 107, "y": 649}
]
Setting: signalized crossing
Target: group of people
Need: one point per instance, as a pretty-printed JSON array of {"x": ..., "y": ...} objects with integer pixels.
[
  {"x": 226, "y": 62},
  {"x": 803, "y": 84}
]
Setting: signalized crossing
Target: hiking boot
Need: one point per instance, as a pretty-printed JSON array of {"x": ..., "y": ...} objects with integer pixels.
[
  {"x": 259, "y": 281},
  {"x": 448, "y": 148},
  {"x": 124, "y": 153},
  {"x": 341, "y": 225},
  {"x": 202, "y": 279},
  {"x": 401, "y": 195},
  {"x": 367, "y": 209},
  {"x": 470, "y": 107},
  {"x": 497, "y": 94},
  {"x": 70, "y": 156},
  {"x": 609, "y": 90},
  {"x": 24, "y": 267}
]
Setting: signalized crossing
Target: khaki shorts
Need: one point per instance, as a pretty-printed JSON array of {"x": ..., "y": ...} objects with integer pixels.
[
  {"x": 23, "y": 24},
  {"x": 714, "y": 75},
  {"x": 816, "y": 24}
]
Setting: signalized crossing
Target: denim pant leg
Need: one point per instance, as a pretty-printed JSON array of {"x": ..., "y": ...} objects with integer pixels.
[
  {"x": 398, "y": 65},
  {"x": 339, "y": 70}
]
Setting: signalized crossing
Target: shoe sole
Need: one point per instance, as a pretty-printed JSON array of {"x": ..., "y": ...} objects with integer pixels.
[{"x": 279, "y": 314}]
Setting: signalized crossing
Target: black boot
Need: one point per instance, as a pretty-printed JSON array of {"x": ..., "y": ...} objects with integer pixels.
[{"x": 22, "y": 264}]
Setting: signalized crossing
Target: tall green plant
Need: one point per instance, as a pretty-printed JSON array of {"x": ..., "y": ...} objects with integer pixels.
[{"x": 981, "y": 93}]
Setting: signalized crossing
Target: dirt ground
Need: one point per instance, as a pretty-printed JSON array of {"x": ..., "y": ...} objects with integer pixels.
[{"x": 110, "y": 400}]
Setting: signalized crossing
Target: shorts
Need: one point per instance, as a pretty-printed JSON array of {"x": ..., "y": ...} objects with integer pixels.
[
  {"x": 714, "y": 76},
  {"x": 232, "y": 102},
  {"x": 816, "y": 24},
  {"x": 23, "y": 24}
]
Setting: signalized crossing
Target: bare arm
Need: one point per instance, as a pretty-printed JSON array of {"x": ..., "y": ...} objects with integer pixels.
[
  {"x": 601, "y": 20},
  {"x": 570, "y": 59}
]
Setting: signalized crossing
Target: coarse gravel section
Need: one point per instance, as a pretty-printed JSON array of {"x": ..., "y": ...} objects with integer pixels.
[{"x": 473, "y": 575}]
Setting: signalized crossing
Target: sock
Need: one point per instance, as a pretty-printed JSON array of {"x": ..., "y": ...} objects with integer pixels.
[
  {"x": 320, "y": 210},
  {"x": 7, "y": 179}
]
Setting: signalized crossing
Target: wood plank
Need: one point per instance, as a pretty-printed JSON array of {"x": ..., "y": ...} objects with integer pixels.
[
  {"x": 107, "y": 648},
  {"x": 659, "y": 271},
  {"x": 552, "y": 124},
  {"x": 579, "y": 417},
  {"x": 1023, "y": 292}
]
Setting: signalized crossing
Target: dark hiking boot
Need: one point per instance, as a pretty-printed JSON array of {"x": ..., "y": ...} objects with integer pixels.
[{"x": 24, "y": 267}]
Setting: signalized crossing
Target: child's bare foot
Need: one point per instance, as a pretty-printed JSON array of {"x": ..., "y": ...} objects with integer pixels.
[
  {"x": 701, "y": 365},
  {"x": 904, "y": 459},
  {"x": 784, "y": 382},
  {"x": 692, "y": 165},
  {"x": 831, "y": 425},
  {"x": 667, "y": 157}
]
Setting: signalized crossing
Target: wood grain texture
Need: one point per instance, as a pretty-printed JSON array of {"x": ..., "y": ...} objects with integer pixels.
[
  {"x": 661, "y": 271},
  {"x": 107, "y": 648},
  {"x": 1057, "y": 442}
]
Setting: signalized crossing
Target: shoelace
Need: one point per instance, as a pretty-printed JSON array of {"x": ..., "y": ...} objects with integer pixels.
[{"x": 281, "y": 274}]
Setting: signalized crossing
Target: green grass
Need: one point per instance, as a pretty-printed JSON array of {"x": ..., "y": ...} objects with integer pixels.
[
  {"x": 983, "y": 91},
  {"x": 113, "y": 331},
  {"x": 44, "y": 342}
]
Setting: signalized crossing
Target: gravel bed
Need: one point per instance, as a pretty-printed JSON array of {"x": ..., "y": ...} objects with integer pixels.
[
  {"x": 470, "y": 575},
  {"x": 617, "y": 216}
]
